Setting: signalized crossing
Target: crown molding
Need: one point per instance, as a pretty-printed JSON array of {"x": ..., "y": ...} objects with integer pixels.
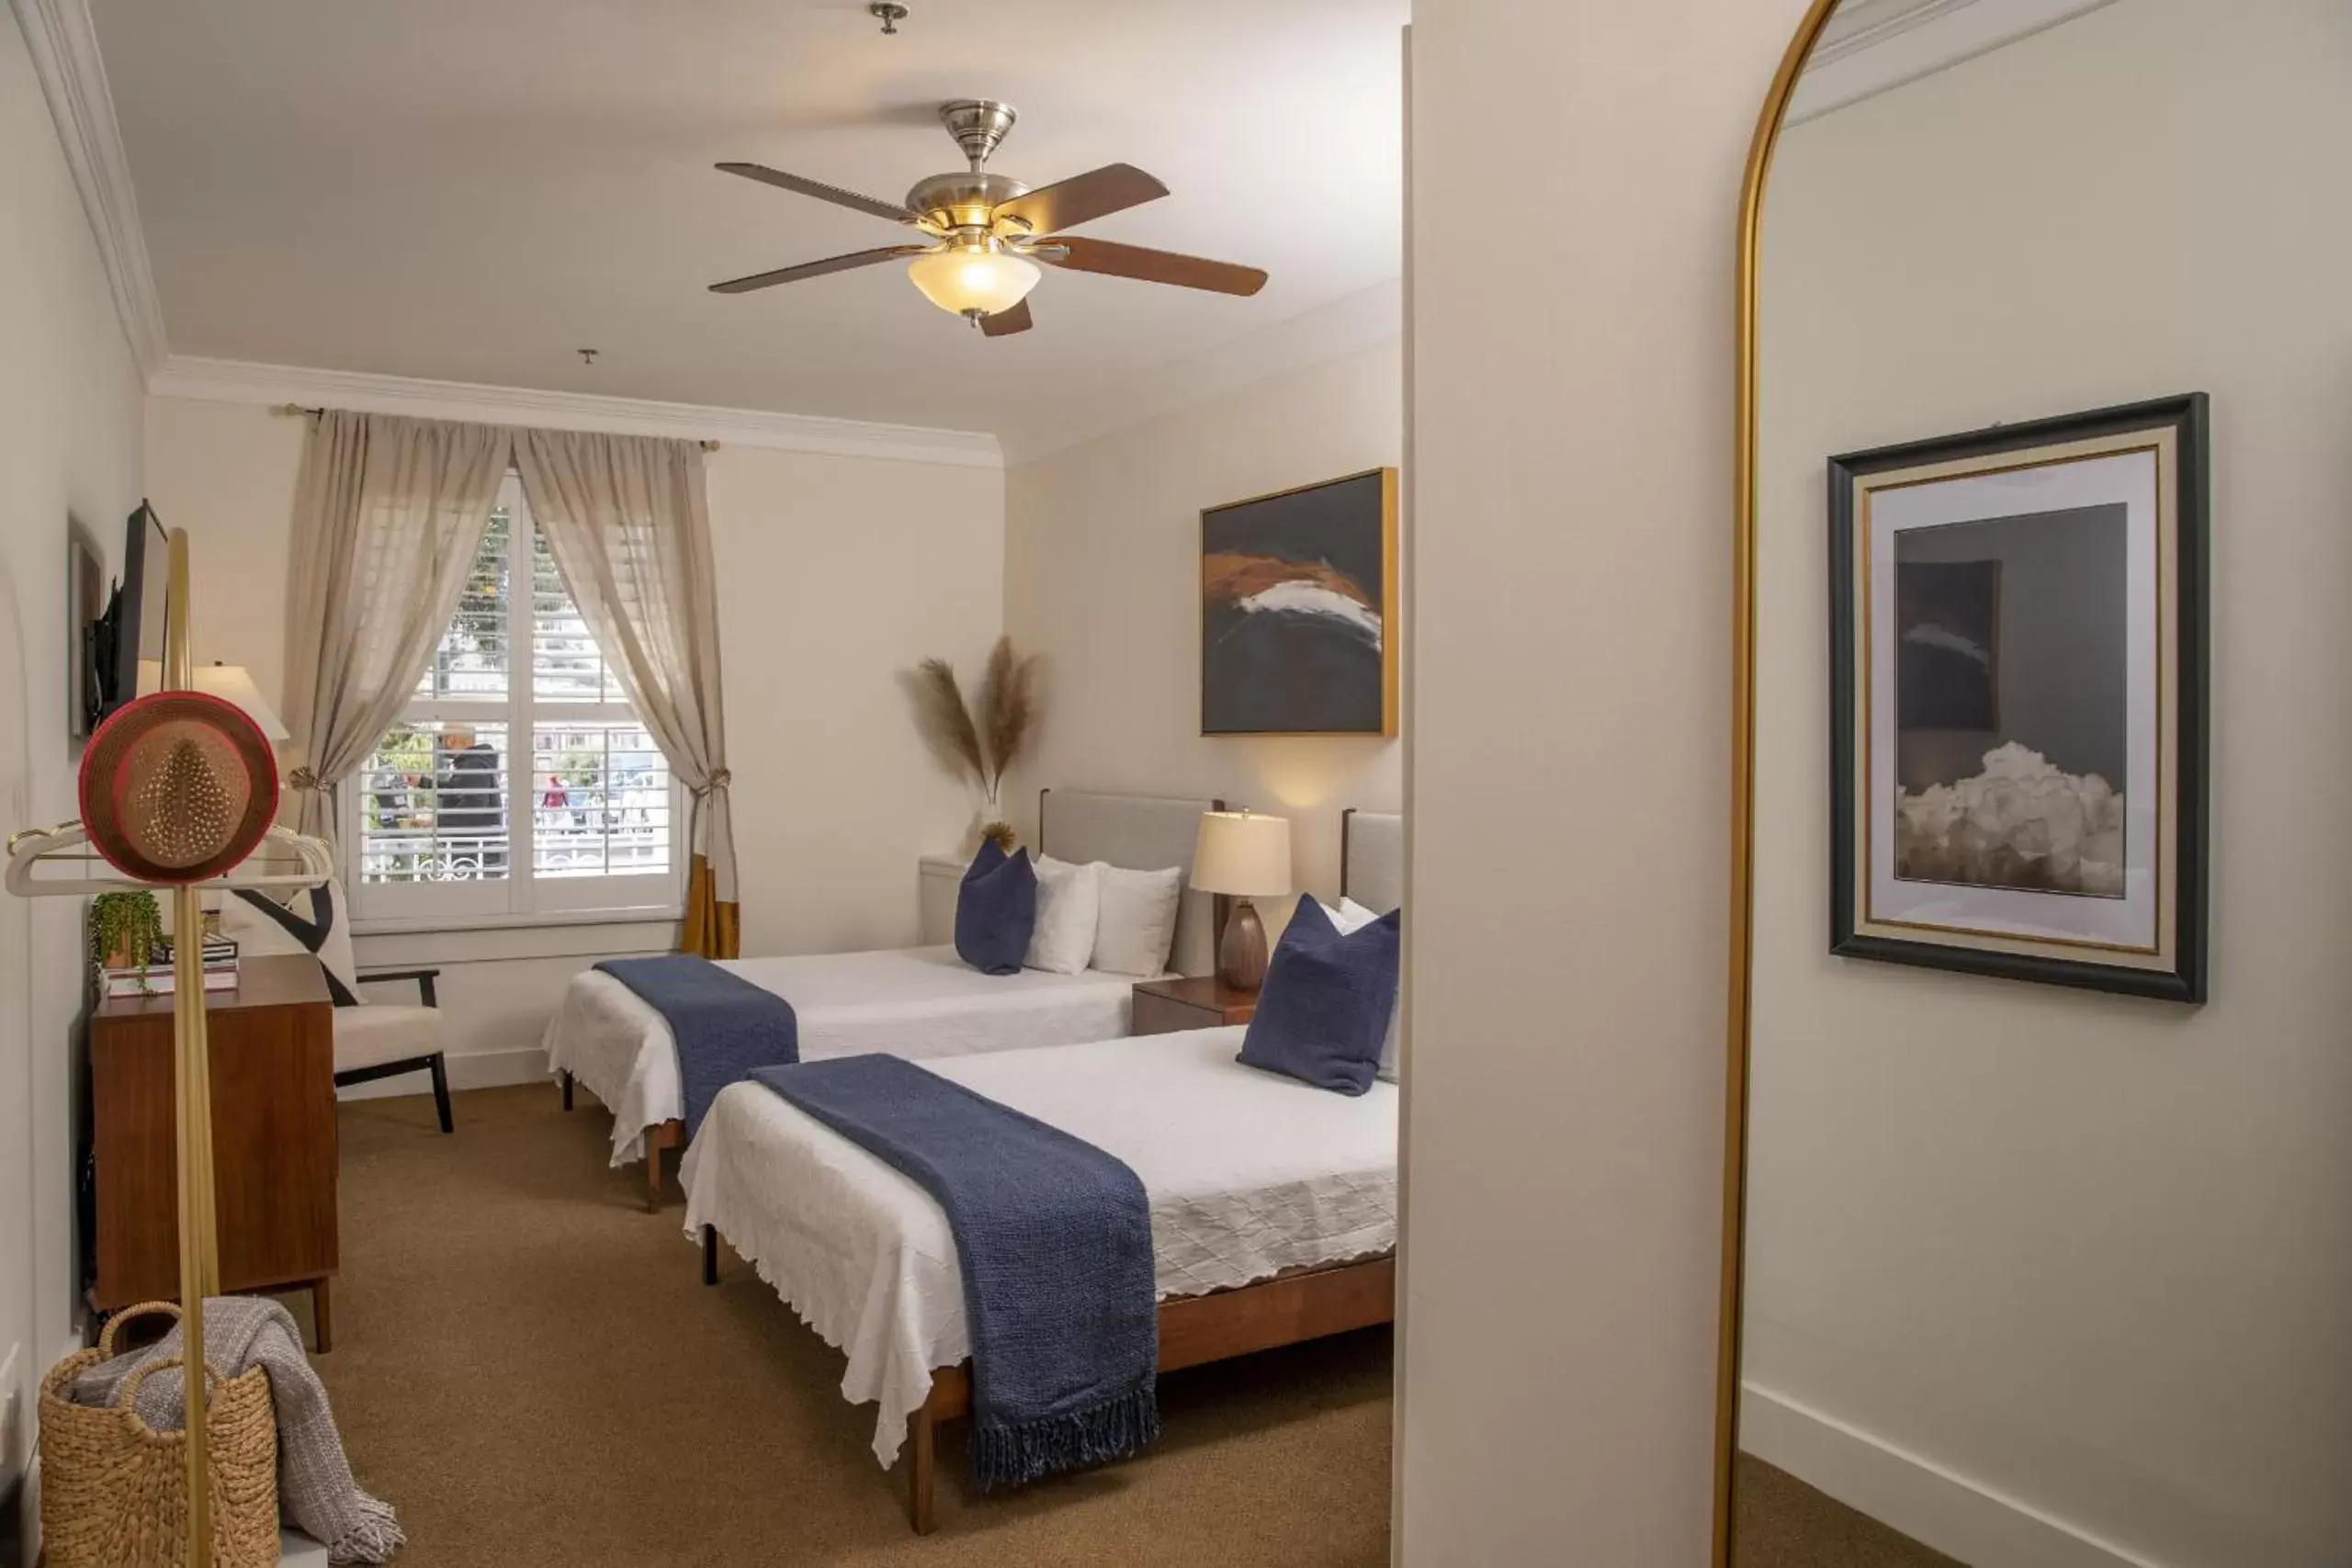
[
  {"x": 63, "y": 43},
  {"x": 1874, "y": 46},
  {"x": 240, "y": 381}
]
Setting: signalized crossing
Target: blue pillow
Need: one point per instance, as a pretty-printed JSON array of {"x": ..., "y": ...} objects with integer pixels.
[
  {"x": 1323, "y": 1013},
  {"x": 994, "y": 909}
]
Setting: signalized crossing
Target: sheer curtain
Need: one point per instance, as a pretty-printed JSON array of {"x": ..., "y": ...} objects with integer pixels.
[
  {"x": 623, "y": 517},
  {"x": 388, "y": 514}
]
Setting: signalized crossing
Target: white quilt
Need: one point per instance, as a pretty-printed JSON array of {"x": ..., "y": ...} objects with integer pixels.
[
  {"x": 913, "y": 1001},
  {"x": 1249, "y": 1174}
]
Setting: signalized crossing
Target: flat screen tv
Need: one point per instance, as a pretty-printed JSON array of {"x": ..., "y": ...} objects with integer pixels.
[{"x": 130, "y": 629}]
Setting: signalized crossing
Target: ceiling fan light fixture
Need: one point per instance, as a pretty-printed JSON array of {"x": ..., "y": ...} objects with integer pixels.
[{"x": 973, "y": 281}]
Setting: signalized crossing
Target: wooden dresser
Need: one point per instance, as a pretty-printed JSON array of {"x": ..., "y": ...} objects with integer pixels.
[{"x": 271, "y": 1041}]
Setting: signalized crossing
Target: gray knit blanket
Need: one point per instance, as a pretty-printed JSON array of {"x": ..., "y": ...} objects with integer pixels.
[
  {"x": 723, "y": 1024},
  {"x": 1054, "y": 1237},
  {"x": 315, "y": 1488}
]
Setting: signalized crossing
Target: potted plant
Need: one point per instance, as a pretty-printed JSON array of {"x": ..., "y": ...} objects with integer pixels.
[
  {"x": 125, "y": 929},
  {"x": 978, "y": 744}
]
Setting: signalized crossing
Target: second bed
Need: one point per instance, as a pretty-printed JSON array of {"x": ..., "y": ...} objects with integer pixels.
[{"x": 922, "y": 1002}]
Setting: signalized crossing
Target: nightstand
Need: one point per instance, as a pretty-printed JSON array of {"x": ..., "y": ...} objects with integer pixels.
[{"x": 1163, "y": 1007}]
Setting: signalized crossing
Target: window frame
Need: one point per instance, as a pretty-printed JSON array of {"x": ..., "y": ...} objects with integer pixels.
[{"x": 521, "y": 897}]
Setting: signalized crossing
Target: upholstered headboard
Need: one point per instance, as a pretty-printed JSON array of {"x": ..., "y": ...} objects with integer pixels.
[
  {"x": 1141, "y": 832},
  {"x": 1372, "y": 858}
]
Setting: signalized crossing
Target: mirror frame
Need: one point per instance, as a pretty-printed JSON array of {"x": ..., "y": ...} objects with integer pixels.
[{"x": 1743, "y": 784}]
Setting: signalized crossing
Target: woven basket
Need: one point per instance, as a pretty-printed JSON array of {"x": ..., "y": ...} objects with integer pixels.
[{"x": 114, "y": 1490}]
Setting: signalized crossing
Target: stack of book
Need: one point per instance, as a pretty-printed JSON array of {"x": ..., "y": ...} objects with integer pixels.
[{"x": 157, "y": 976}]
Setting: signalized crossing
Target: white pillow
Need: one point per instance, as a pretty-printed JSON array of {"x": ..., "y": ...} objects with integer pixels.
[
  {"x": 327, "y": 932},
  {"x": 1137, "y": 926},
  {"x": 1069, "y": 898},
  {"x": 1351, "y": 916}
]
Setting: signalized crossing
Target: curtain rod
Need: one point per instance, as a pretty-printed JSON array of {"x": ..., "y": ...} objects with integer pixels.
[{"x": 293, "y": 410}]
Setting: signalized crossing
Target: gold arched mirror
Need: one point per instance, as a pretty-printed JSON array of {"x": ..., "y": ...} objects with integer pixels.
[{"x": 2040, "y": 1100}]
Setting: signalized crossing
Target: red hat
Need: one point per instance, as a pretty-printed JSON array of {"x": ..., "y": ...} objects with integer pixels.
[{"x": 178, "y": 787}]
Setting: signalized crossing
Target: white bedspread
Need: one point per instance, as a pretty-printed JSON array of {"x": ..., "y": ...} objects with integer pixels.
[
  {"x": 913, "y": 1001},
  {"x": 1249, "y": 1173}
]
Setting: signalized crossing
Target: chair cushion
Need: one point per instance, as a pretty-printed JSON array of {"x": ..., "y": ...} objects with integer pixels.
[{"x": 384, "y": 1032}]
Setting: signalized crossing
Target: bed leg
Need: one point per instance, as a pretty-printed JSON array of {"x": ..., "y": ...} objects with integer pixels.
[
  {"x": 565, "y": 1078},
  {"x": 710, "y": 1255},
  {"x": 921, "y": 1427}
]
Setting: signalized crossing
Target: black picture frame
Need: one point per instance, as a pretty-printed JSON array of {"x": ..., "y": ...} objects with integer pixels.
[{"x": 2188, "y": 418}]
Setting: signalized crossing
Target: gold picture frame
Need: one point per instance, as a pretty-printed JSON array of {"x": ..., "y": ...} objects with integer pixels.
[{"x": 1221, "y": 582}]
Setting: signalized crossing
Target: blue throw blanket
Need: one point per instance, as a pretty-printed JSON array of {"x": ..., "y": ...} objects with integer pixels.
[
  {"x": 724, "y": 1025},
  {"x": 1055, "y": 1237}
]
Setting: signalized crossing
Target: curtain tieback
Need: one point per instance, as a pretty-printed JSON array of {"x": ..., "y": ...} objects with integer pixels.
[
  {"x": 303, "y": 778},
  {"x": 717, "y": 780}
]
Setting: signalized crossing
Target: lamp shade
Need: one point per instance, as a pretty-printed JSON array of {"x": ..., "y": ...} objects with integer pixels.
[
  {"x": 1243, "y": 854},
  {"x": 232, "y": 683},
  {"x": 973, "y": 281}
]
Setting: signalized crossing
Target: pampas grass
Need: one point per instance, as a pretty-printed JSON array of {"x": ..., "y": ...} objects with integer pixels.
[
  {"x": 977, "y": 744},
  {"x": 946, "y": 725},
  {"x": 1007, "y": 690}
]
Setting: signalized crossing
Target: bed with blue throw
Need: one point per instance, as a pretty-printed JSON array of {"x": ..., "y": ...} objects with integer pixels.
[
  {"x": 1270, "y": 1206},
  {"x": 628, "y": 1048},
  {"x": 1250, "y": 1181}
]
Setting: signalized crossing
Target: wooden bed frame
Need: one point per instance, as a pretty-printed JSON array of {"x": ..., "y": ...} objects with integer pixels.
[{"x": 1289, "y": 1309}]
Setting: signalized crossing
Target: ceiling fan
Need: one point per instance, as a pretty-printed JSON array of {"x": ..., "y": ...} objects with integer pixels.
[{"x": 990, "y": 232}]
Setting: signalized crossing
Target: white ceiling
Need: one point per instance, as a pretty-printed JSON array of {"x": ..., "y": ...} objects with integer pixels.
[{"x": 472, "y": 189}]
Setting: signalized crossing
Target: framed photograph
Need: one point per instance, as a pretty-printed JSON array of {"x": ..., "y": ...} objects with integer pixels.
[
  {"x": 2018, "y": 690},
  {"x": 1298, "y": 611}
]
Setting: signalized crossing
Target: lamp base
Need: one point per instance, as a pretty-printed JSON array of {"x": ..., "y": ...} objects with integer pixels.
[{"x": 1241, "y": 955}]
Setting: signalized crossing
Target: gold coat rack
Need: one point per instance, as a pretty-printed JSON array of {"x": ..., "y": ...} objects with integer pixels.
[{"x": 303, "y": 862}]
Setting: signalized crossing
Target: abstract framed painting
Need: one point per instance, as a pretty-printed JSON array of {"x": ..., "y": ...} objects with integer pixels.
[
  {"x": 2019, "y": 701},
  {"x": 1298, "y": 610}
]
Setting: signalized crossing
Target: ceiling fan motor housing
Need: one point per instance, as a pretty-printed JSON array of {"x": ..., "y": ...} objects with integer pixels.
[
  {"x": 978, "y": 125},
  {"x": 964, "y": 201}
]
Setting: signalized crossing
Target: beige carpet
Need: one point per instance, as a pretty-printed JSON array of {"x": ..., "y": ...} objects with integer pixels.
[
  {"x": 528, "y": 1367},
  {"x": 1780, "y": 1522}
]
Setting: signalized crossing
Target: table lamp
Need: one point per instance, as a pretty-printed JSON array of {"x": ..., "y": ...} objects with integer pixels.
[
  {"x": 231, "y": 682},
  {"x": 1244, "y": 855}
]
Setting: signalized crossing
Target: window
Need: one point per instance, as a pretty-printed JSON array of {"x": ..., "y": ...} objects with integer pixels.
[{"x": 460, "y": 817}]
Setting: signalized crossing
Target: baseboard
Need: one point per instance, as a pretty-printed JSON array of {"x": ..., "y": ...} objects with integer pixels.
[
  {"x": 474, "y": 1069},
  {"x": 1956, "y": 1515}
]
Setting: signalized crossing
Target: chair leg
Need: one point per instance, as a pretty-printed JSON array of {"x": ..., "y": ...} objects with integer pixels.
[
  {"x": 441, "y": 1091},
  {"x": 566, "y": 1078},
  {"x": 710, "y": 1255}
]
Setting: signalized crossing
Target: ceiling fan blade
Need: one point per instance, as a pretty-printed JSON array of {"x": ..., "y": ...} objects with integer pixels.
[
  {"x": 1081, "y": 198},
  {"x": 1152, "y": 266},
  {"x": 1005, "y": 323},
  {"x": 893, "y": 211},
  {"x": 816, "y": 269}
]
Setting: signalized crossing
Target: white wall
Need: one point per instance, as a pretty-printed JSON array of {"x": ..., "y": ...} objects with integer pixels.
[
  {"x": 1576, "y": 173},
  {"x": 2086, "y": 1253},
  {"x": 69, "y": 448},
  {"x": 1103, "y": 578},
  {"x": 835, "y": 574}
]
